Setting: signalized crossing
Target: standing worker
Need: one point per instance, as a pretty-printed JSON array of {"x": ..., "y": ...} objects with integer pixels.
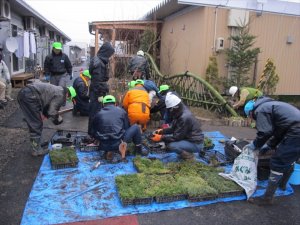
[
  {"x": 99, "y": 76},
  {"x": 278, "y": 126},
  {"x": 37, "y": 102},
  {"x": 244, "y": 94},
  {"x": 112, "y": 129},
  {"x": 184, "y": 136},
  {"x": 5, "y": 84},
  {"x": 139, "y": 67},
  {"x": 81, "y": 100},
  {"x": 137, "y": 104},
  {"x": 57, "y": 66}
]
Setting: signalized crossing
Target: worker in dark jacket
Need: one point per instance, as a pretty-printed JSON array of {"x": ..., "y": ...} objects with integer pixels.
[
  {"x": 99, "y": 88},
  {"x": 57, "y": 66},
  {"x": 138, "y": 66},
  {"x": 81, "y": 100},
  {"x": 37, "y": 102},
  {"x": 112, "y": 129},
  {"x": 278, "y": 127},
  {"x": 184, "y": 136}
]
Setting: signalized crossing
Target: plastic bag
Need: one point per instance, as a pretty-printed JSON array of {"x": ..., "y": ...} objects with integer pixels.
[{"x": 244, "y": 171}]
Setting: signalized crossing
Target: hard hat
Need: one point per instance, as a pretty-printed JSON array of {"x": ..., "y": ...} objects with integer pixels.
[
  {"x": 57, "y": 45},
  {"x": 140, "y": 52},
  {"x": 233, "y": 90},
  {"x": 109, "y": 99},
  {"x": 164, "y": 87},
  {"x": 249, "y": 107},
  {"x": 172, "y": 100},
  {"x": 72, "y": 92},
  {"x": 139, "y": 81},
  {"x": 131, "y": 84},
  {"x": 87, "y": 74}
]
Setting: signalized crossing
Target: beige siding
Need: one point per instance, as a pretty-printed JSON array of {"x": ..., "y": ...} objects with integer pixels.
[{"x": 190, "y": 48}]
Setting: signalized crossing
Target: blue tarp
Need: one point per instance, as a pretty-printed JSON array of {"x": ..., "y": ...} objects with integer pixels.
[{"x": 77, "y": 194}]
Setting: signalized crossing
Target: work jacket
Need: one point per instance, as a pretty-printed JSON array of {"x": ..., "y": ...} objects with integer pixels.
[
  {"x": 81, "y": 87},
  {"x": 275, "y": 120},
  {"x": 51, "y": 97},
  {"x": 136, "y": 102},
  {"x": 99, "y": 69},
  {"x": 183, "y": 127},
  {"x": 4, "y": 73},
  {"x": 57, "y": 64},
  {"x": 139, "y": 63},
  {"x": 110, "y": 123}
]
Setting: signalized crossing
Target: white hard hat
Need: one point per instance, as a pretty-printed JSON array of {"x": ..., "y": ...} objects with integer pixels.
[
  {"x": 172, "y": 100},
  {"x": 233, "y": 90},
  {"x": 140, "y": 52}
]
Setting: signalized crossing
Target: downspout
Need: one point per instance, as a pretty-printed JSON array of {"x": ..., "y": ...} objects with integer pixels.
[{"x": 215, "y": 29}]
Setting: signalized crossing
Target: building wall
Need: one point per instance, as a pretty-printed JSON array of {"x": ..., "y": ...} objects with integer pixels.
[{"x": 190, "y": 48}]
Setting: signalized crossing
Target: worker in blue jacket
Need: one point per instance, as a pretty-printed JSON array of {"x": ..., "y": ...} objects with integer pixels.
[
  {"x": 278, "y": 127},
  {"x": 112, "y": 129}
]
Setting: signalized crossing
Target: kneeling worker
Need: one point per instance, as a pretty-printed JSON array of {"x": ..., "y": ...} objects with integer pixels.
[
  {"x": 37, "y": 102},
  {"x": 184, "y": 136},
  {"x": 112, "y": 129},
  {"x": 81, "y": 100}
]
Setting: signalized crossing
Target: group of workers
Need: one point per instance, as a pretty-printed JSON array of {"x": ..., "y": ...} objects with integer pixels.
[{"x": 277, "y": 123}]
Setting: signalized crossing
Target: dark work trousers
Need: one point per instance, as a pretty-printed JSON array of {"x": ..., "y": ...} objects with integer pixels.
[
  {"x": 31, "y": 107},
  {"x": 287, "y": 152},
  {"x": 94, "y": 107},
  {"x": 59, "y": 80},
  {"x": 132, "y": 134}
]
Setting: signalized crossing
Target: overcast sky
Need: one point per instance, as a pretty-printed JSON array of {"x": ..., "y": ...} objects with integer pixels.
[{"x": 72, "y": 16}]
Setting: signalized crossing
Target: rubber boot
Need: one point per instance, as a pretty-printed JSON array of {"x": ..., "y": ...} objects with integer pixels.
[
  {"x": 285, "y": 178},
  {"x": 186, "y": 155},
  {"x": 37, "y": 150},
  {"x": 268, "y": 197},
  {"x": 141, "y": 149}
]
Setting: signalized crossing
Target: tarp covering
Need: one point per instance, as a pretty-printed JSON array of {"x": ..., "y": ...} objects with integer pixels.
[{"x": 78, "y": 194}]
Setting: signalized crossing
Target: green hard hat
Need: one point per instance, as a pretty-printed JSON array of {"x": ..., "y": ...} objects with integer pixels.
[
  {"x": 72, "y": 92},
  {"x": 109, "y": 99},
  {"x": 131, "y": 84},
  {"x": 139, "y": 81},
  {"x": 57, "y": 45},
  {"x": 164, "y": 87},
  {"x": 87, "y": 74}
]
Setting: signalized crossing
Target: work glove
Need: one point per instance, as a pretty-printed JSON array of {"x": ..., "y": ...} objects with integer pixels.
[
  {"x": 264, "y": 149},
  {"x": 58, "y": 120},
  {"x": 158, "y": 131},
  {"x": 156, "y": 137},
  {"x": 250, "y": 146},
  {"x": 47, "y": 77}
]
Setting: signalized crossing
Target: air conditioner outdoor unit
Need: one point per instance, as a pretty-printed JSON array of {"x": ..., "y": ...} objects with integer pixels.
[
  {"x": 44, "y": 32},
  {"x": 4, "y": 10},
  {"x": 29, "y": 23}
]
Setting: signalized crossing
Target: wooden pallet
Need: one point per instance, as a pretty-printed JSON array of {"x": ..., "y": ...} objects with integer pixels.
[{"x": 21, "y": 80}]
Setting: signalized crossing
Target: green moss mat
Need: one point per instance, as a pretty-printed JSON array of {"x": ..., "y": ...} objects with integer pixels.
[{"x": 63, "y": 156}]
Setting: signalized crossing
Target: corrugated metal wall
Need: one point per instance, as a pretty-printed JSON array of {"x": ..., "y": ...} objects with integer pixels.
[{"x": 188, "y": 41}]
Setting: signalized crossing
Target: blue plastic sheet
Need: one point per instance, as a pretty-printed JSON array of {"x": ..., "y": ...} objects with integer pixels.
[{"x": 79, "y": 194}]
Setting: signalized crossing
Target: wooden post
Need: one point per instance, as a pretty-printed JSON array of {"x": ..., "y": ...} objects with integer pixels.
[
  {"x": 113, "y": 60},
  {"x": 96, "y": 41}
]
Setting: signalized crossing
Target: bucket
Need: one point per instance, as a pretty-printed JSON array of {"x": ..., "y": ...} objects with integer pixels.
[{"x": 295, "y": 178}]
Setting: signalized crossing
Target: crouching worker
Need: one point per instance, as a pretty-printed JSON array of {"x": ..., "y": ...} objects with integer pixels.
[
  {"x": 112, "y": 129},
  {"x": 136, "y": 102},
  {"x": 278, "y": 126},
  {"x": 81, "y": 99},
  {"x": 39, "y": 101},
  {"x": 184, "y": 136}
]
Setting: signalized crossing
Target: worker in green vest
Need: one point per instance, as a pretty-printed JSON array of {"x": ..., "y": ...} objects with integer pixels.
[{"x": 245, "y": 94}]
